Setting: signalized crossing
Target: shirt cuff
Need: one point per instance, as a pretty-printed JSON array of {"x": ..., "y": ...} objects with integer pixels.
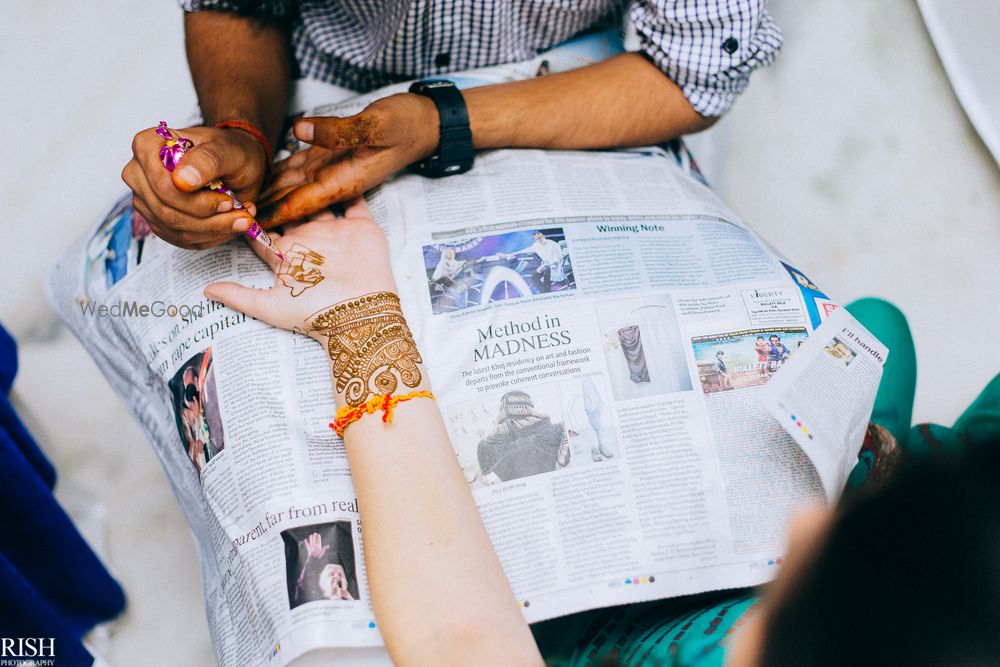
[
  {"x": 709, "y": 49},
  {"x": 267, "y": 10}
]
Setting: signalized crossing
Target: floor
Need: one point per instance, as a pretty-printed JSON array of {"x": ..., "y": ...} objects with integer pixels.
[{"x": 851, "y": 155}]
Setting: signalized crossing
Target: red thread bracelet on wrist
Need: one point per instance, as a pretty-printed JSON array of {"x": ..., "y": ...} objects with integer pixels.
[
  {"x": 347, "y": 415},
  {"x": 250, "y": 129}
]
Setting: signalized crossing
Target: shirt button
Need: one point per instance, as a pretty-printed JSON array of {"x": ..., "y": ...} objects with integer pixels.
[
  {"x": 730, "y": 46},
  {"x": 442, "y": 60}
]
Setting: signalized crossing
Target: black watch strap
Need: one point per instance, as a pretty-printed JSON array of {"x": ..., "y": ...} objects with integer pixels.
[{"x": 454, "y": 154}]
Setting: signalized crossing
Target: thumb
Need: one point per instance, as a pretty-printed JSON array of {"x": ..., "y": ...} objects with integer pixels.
[
  {"x": 204, "y": 163},
  {"x": 363, "y": 129},
  {"x": 247, "y": 300}
]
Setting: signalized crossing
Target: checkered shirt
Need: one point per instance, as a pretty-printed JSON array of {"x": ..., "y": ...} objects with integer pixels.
[{"x": 708, "y": 47}]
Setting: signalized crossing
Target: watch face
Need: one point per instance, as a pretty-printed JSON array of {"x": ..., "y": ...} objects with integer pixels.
[{"x": 424, "y": 87}]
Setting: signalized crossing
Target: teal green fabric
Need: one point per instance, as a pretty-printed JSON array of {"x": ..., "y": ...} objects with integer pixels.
[
  {"x": 667, "y": 633},
  {"x": 894, "y": 401},
  {"x": 893, "y": 409},
  {"x": 689, "y": 632},
  {"x": 977, "y": 426}
]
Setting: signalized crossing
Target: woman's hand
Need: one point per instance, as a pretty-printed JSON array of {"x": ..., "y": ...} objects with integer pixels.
[{"x": 328, "y": 260}]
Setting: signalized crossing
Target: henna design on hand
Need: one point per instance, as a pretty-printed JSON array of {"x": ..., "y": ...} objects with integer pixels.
[
  {"x": 370, "y": 345},
  {"x": 298, "y": 271}
]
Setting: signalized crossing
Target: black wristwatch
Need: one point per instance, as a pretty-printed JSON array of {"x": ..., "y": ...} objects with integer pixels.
[{"x": 454, "y": 154}]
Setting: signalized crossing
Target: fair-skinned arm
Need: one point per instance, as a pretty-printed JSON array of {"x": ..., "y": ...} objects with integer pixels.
[{"x": 420, "y": 525}]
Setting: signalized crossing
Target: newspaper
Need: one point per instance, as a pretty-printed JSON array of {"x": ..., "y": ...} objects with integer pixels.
[
  {"x": 825, "y": 395},
  {"x": 599, "y": 329}
]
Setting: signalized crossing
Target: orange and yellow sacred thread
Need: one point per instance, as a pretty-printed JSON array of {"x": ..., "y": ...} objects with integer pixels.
[{"x": 347, "y": 415}]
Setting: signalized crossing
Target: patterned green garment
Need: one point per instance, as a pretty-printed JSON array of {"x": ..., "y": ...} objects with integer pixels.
[
  {"x": 692, "y": 631},
  {"x": 683, "y": 632},
  {"x": 667, "y": 633}
]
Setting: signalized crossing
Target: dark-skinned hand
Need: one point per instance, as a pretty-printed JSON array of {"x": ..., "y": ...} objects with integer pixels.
[
  {"x": 349, "y": 156},
  {"x": 178, "y": 207}
]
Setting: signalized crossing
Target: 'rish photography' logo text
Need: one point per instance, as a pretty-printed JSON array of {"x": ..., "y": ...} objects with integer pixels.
[
  {"x": 24, "y": 651},
  {"x": 135, "y": 309}
]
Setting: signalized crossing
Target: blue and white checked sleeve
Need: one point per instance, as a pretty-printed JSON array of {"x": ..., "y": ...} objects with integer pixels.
[{"x": 707, "y": 47}]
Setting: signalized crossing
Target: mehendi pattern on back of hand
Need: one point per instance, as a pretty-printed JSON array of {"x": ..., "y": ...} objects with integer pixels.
[
  {"x": 299, "y": 270},
  {"x": 370, "y": 345}
]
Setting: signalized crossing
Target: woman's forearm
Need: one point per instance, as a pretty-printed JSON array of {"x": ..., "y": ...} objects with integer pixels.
[{"x": 437, "y": 587}]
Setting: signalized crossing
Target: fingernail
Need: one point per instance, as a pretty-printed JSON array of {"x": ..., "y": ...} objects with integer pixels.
[
  {"x": 242, "y": 224},
  {"x": 189, "y": 175},
  {"x": 304, "y": 131},
  {"x": 224, "y": 205},
  {"x": 251, "y": 209}
]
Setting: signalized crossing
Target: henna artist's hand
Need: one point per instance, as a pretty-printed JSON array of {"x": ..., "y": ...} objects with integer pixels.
[
  {"x": 176, "y": 204},
  {"x": 327, "y": 260},
  {"x": 350, "y": 156}
]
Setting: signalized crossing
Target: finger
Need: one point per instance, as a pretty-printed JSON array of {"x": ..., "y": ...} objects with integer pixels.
[
  {"x": 301, "y": 158},
  {"x": 342, "y": 180},
  {"x": 171, "y": 236},
  {"x": 283, "y": 182},
  {"x": 318, "y": 157},
  {"x": 247, "y": 300},
  {"x": 206, "y": 162},
  {"x": 147, "y": 165},
  {"x": 181, "y": 240},
  {"x": 301, "y": 171},
  {"x": 277, "y": 194},
  {"x": 363, "y": 129},
  {"x": 161, "y": 191},
  {"x": 142, "y": 208},
  {"x": 357, "y": 208},
  {"x": 182, "y": 220},
  {"x": 296, "y": 159},
  {"x": 169, "y": 222},
  {"x": 265, "y": 253}
]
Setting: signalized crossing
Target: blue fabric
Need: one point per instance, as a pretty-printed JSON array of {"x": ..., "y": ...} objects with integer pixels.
[{"x": 51, "y": 583}]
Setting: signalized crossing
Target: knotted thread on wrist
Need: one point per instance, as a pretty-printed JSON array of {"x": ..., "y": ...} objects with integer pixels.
[{"x": 348, "y": 414}]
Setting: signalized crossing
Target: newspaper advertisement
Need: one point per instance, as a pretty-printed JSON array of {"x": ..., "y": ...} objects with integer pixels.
[{"x": 598, "y": 328}]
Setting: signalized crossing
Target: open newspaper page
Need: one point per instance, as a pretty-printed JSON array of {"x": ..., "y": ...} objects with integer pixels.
[
  {"x": 598, "y": 328},
  {"x": 238, "y": 413}
]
